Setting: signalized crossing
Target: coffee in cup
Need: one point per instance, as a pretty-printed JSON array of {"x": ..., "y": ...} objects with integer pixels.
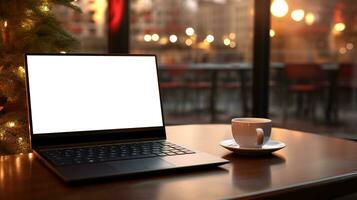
[{"x": 251, "y": 132}]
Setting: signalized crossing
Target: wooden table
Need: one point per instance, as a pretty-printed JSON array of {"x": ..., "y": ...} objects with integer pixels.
[{"x": 310, "y": 166}]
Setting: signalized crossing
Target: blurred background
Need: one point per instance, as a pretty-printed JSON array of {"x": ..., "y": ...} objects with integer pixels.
[{"x": 204, "y": 50}]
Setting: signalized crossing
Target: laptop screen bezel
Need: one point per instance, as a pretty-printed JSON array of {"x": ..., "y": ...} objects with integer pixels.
[{"x": 92, "y": 136}]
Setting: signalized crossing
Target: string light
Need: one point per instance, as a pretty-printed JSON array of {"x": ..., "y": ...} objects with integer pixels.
[
  {"x": 2, "y": 134},
  {"x": 272, "y": 33},
  {"x": 309, "y": 18},
  {"x": 210, "y": 38},
  {"x": 349, "y": 46},
  {"x": 21, "y": 71},
  {"x": 188, "y": 42},
  {"x": 163, "y": 41},
  {"x": 155, "y": 37},
  {"x": 173, "y": 38},
  {"x": 5, "y": 23},
  {"x": 339, "y": 27},
  {"x": 298, "y": 15},
  {"x": 20, "y": 139},
  {"x": 232, "y": 45},
  {"x": 342, "y": 50},
  {"x": 279, "y": 8},
  {"x": 147, "y": 38},
  {"x": 226, "y": 41},
  {"x": 11, "y": 124},
  {"x": 232, "y": 36},
  {"x": 44, "y": 8},
  {"x": 190, "y": 31}
]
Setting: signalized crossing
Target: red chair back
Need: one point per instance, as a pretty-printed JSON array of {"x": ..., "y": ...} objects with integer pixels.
[
  {"x": 303, "y": 72},
  {"x": 347, "y": 75}
]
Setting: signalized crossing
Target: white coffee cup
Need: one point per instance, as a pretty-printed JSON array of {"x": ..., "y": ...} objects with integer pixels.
[{"x": 251, "y": 132}]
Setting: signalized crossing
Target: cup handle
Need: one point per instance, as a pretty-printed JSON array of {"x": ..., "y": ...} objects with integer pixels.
[{"x": 260, "y": 136}]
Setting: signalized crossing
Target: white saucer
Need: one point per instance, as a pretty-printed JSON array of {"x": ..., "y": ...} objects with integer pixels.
[{"x": 269, "y": 147}]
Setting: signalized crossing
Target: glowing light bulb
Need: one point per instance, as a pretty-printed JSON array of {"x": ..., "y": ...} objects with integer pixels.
[
  {"x": 309, "y": 18},
  {"x": 226, "y": 41},
  {"x": 298, "y": 15},
  {"x": 5, "y": 24},
  {"x": 21, "y": 69},
  {"x": 44, "y": 8},
  {"x": 349, "y": 46},
  {"x": 279, "y": 8},
  {"x": 272, "y": 33},
  {"x": 232, "y": 45},
  {"x": 232, "y": 36},
  {"x": 163, "y": 41},
  {"x": 188, "y": 42},
  {"x": 155, "y": 37},
  {"x": 190, "y": 31},
  {"x": 147, "y": 38},
  {"x": 173, "y": 38},
  {"x": 343, "y": 50},
  {"x": 11, "y": 124},
  {"x": 339, "y": 27},
  {"x": 210, "y": 38}
]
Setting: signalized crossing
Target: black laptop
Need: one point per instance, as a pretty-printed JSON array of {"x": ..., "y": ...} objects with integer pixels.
[{"x": 94, "y": 116}]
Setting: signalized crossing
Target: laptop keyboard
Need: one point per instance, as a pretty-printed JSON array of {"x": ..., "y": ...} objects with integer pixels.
[{"x": 113, "y": 152}]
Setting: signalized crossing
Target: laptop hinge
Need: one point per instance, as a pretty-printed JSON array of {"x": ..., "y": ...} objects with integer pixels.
[{"x": 97, "y": 143}]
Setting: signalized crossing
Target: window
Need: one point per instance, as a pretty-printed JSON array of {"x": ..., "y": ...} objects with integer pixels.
[
  {"x": 203, "y": 48},
  {"x": 314, "y": 63}
]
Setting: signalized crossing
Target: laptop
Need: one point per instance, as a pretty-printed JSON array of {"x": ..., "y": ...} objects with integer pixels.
[{"x": 95, "y": 116}]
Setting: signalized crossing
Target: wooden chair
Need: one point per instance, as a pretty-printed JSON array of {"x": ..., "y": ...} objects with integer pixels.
[
  {"x": 346, "y": 87},
  {"x": 305, "y": 82},
  {"x": 172, "y": 85}
]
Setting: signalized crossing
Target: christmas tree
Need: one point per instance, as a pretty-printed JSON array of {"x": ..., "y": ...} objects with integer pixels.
[{"x": 26, "y": 26}]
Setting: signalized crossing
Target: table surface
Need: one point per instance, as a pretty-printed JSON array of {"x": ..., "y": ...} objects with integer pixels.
[{"x": 309, "y": 161}]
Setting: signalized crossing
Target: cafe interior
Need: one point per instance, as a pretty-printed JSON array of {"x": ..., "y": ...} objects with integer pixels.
[{"x": 292, "y": 61}]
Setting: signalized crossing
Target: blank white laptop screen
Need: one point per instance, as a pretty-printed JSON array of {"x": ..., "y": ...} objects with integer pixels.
[{"x": 91, "y": 92}]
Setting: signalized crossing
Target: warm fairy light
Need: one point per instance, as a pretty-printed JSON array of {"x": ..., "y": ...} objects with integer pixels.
[
  {"x": 232, "y": 45},
  {"x": 5, "y": 24},
  {"x": 11, "y": 124},
  {"x": 339, "y": 27},
  {"x": 163, "y": 41},
  {"x": 147, "y": 38},
  {"x": 210, "y": 38},
  {"x": 155, "y": 37},
  {"x": 190, "y": 31},
  {"x": 99, "y": 7},
  {"x": 298, "y": 15},
  {"x": 63, "y": 52},
  {"x": 188, "y": 42},
  {"x": 349, "y": 46},
  {"x": 21, "y": 69},
  {"x": 279, "y": 8},
  {"x": 226, "y": 41},
  {"x": 232, "y": 36},
  {"x": 20, "y": 139},
  {"x": 272, "y": 33},
  {"x": 342, "y": 50},
  {"x": 30, "y": 155},
  {"x": 44, "y": 8},
  {"x": 309, "y": 18},
  {"x": 173, "y": 38}
]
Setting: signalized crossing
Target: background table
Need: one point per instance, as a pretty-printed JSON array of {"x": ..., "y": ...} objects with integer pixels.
[{"x": 310, "y": 166}]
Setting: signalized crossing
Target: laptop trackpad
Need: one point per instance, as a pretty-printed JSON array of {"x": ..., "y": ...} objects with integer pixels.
[{"x": 140, "y": 165}]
